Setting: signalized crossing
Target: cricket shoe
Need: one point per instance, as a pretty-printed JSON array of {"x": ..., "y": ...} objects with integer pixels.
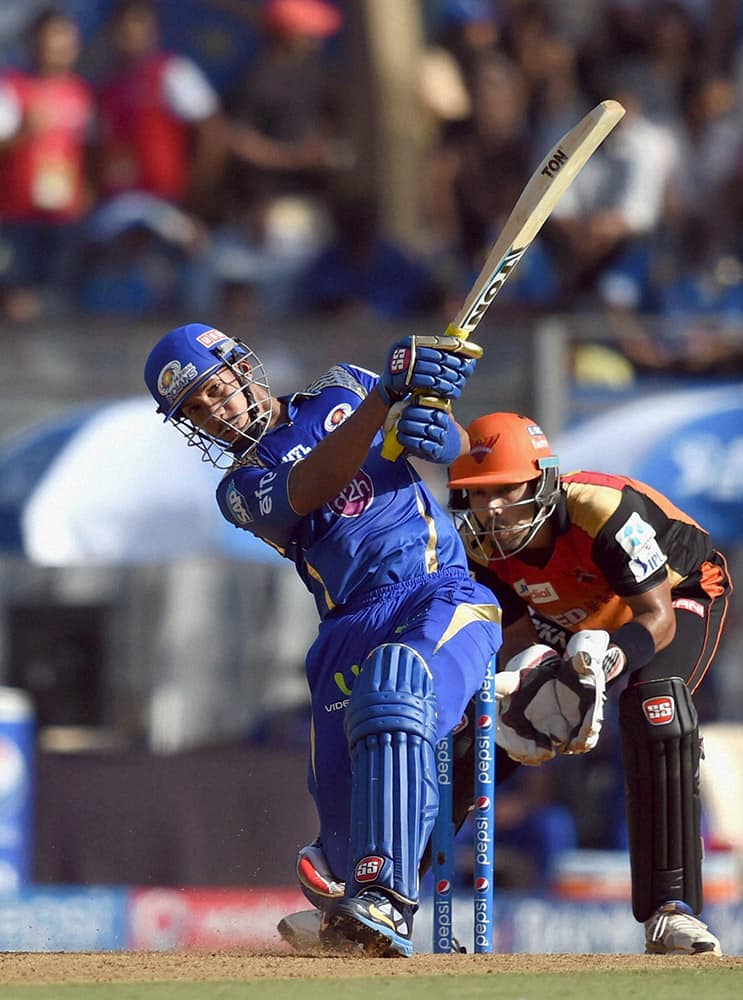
[
  {"x": 674, "y": 930},
  {"x": 302, "y": 931},
  {"x": 372, "y": 921}
]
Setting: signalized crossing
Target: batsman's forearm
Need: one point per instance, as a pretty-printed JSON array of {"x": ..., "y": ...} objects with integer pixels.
[{"x": 332, "y": 464}]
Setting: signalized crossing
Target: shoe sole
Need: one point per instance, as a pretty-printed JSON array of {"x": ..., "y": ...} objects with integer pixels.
[
  {"x": 304, "y": 941},
  {"x": 702, "y": 949},
  {"x": 348, "y": 925}
]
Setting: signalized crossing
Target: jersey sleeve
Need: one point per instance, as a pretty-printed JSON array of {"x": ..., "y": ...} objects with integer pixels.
[
  {"x": 187, "y": 91},
  {"x": 257, "y": 500},
  {"x": 11, "y": 113},
  {"x": 362, "y": 375},
  {"x": 627, "y": 549}
]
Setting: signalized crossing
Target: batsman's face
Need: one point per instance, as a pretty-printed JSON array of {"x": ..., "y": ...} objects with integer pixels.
[
  {"x": 505, "y": 512},
  {"x": 224, "y": 406}
]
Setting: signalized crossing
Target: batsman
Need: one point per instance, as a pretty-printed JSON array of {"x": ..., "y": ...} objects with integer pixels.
[
  {"x": 603, "y": 583},
  {"x": 405, "y": 634}
]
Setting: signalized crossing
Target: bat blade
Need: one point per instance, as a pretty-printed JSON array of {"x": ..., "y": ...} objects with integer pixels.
[{"x": 543, "y": 191}]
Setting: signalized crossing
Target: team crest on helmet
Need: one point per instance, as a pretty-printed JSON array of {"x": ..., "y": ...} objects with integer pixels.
[
  {"x": 483, "y": 447},
  {"x": 173, "y": 379}
]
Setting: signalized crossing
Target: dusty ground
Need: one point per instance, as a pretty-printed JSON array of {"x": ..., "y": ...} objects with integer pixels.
[{"x": 16, "y": 968}]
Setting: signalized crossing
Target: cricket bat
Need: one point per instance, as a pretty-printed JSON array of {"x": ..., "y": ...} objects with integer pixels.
[{"x": 545, "y": 187}]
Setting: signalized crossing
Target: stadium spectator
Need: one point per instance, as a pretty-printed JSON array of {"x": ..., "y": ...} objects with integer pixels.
[
  {"x": 256, "y": 256},
  {"x": 534, "y": 827},
  {"x": 615, "y": 207},
  {"x": 142, "y": 256},
  {"x": 45, "y": 115},
  {"x": 362, "y": 270},
  {"x": 285, "y": 129},
  {"x": 161, "y": 129},
  {"x": 462, "y": 202}
]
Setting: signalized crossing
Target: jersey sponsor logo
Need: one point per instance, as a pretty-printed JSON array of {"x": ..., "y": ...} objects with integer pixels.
[
  {"x": 536, "y": 593},
  {"x": 343, "y": 685},
  {"x": 237, "y": 506},
  {"x": 355, "y": 498},
  {"x": 337, "y": 415},
  {"x": 211, "y": 337},
  {"x": 687, "y": 604},
  {"x": 637, "y": 538},
  {"x": 173, "y": 379},
  {"x": 368, "y": 868},
  {"x": 659, "y": 711},
  {"x": 336, "y": 706},
  {"x": 549, "y": 633},
  {"x": 295, "y": 453},
  {"x": 263, "y": 493},
  {"x": 571, "y": 618}
]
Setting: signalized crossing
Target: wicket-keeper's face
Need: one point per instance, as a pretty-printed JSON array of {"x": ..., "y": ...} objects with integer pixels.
[{"x": 506, "y": 512}]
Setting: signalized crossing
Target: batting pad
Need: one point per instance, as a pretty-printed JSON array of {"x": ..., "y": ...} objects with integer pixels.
[
  {"x": 391, "y": 730},
  {"x": 660, "y": 749}
]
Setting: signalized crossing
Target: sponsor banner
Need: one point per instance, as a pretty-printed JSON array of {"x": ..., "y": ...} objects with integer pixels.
[
  {"x": 210, "y": 919},
  {"x": 69, "y": 919},
  {"x": 113, "y": 919},
  {"x": 17, "y": 748},
  {"x": 536, "y": 925},
  {"x": 604, "y": 876}
]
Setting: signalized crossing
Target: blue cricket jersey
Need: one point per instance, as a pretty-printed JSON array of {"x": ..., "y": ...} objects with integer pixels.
[{"x": 383, "y": 528}]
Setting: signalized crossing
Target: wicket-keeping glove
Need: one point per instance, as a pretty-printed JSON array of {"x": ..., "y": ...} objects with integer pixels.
[
  {"x": 581, "y": 687},
  {"x": 528, "y": 723},
  {"x": 438, "y": 366}
]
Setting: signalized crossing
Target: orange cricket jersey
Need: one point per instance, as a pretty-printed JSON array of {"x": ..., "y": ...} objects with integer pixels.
[{"x": 615, "y": 538}]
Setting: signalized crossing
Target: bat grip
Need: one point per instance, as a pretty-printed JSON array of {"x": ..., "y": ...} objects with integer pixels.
[{"x": 391, "y": 447}]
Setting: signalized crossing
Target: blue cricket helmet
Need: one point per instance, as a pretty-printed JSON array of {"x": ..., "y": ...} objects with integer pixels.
[{"x": 182, "y": 361}]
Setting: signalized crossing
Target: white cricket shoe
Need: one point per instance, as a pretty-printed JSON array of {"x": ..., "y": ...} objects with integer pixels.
[{"x": 674, "y": 930}]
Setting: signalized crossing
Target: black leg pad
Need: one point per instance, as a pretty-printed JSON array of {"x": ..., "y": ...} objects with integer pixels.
[{"x": 661, "y": 753}]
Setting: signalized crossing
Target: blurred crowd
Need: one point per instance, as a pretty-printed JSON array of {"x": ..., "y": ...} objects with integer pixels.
[{"x": 199, "y": 156}]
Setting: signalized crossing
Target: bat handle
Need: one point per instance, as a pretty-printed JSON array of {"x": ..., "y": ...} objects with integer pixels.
[{"x": 391, "y": 447}]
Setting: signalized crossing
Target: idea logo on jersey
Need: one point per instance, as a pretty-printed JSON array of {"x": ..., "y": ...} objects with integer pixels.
[{"x": 536, "y": 593}]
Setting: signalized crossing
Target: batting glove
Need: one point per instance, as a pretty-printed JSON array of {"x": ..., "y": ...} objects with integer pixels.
[
  {"x": 438, "y": 366},
  {"x": 429, "y": 432}
]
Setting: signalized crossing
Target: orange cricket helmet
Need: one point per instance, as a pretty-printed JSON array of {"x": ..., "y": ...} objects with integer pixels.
[{"x": 504, "y": 448}]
